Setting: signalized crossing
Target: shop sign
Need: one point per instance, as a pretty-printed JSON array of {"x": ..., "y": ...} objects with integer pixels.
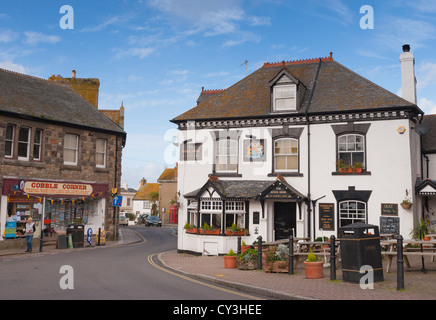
[{"x": 57, "y": 188}]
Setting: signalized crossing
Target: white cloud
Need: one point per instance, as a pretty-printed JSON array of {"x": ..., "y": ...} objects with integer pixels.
[
  {"x": 426, "y": 75},
  {"x": 7, "y": 36},
  {"x": 141, "y": 53},
  {"x": 428, "y": 106},
  {"x": 9, "y": 65},
  {"x": 34, "y": 38}
]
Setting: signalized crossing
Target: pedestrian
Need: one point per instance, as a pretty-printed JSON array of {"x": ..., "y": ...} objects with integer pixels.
[{"x": 30, "y": 230}]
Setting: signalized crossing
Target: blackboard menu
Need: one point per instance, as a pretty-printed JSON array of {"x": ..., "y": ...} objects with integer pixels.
[
  {"x": 389, "y": 225},
  {"x": 389, "y": 209},
  {"x": 327, "y": 216}
]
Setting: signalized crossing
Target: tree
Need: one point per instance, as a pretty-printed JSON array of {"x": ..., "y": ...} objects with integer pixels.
[{"x": 153, "y": 197}]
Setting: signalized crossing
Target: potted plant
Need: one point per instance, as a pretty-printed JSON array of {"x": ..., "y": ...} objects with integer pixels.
[
  {"x": 313, "y": 267},
  {"x": 341, "y": 166},
  {"x": 406, "y": 203},
  {"x": 247, "y": 260},
  {"x": 206, "y": 229},
  {"x": 190, "y": 228},
  {"x": 230, "y": 260},
  {"x": 421, "y": 230},
  {"x": 244, "y": 247},
  {"x": 276, "y": 259},
  {"x": 357, "y": 168},
  {"x": 234, "y": 230}
]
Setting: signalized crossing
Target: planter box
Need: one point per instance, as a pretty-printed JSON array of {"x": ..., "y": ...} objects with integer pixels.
[
  {"x": 193, "y": 230},
  {"x": 277, "y": 266},
  {"x": 236, "y": 233},
  {"x": 247, "y": 265},
  {"x": 212, "y": 232}
]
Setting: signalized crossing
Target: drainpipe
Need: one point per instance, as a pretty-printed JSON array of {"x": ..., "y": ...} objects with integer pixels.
[{"x": 309, "y": 207}]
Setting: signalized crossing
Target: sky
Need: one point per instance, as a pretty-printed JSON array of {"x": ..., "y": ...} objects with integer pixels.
[{"x": 154, "y": 56}]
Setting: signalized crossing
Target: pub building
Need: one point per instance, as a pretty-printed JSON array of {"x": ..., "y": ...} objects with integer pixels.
[
  {"x": 300, "y": 148},
  {"x": 60, "y": 157}
]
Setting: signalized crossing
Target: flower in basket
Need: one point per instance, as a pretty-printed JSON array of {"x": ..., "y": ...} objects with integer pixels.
[
  {"x": 341, "y": 165},
  {"x": 206, "y": 229}
]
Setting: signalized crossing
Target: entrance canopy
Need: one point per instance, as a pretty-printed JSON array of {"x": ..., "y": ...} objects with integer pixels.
[{"x": 425, "y": 187}]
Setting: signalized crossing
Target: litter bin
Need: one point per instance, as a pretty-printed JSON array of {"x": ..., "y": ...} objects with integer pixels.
[
  {"x": 360, "y": 247},
  {"x": 77, "y": 232}
]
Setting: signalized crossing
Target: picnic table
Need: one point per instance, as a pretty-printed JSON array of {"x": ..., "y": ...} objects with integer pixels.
[{"x": 411, "y": 247}]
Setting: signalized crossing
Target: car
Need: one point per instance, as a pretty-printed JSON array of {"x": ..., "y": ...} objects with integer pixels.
[
  {"x": 153, "y": 221},
  {"x": 124, "y": 221},
  {"x": 141, "y": 219}
]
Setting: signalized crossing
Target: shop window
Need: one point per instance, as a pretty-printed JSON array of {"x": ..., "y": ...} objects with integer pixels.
[
  {"x": 101, "y": 153},
  {"x": 23, "y": 143},
  {"x": 9, "y": 141},
  {"x": 37, "y": 141},
  {"x": 71, "y": 146},
  {"x": 286, "y": 155}
]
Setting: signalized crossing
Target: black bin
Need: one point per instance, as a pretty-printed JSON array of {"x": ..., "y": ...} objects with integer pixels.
[
  {"x": 360, "y": 246},
  {"x": 77, "y": 232}
]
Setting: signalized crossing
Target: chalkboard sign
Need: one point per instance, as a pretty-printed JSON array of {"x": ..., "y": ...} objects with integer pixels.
[
  {"x": 389, "y": 209},
  {"x": 390, "y": 225},
  {"x": 61, "y": 242},
  {"x": 256, "y": 217},
  {"x": 327, "y": 216}
]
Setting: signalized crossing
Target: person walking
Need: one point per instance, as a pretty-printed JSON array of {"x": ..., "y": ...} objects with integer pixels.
[{"x": 29, "y": 231}]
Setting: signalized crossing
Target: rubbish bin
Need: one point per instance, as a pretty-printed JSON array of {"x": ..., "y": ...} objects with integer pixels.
[
  {"x": 77, "y": 232},
  {"x": 360, "y": 247}
]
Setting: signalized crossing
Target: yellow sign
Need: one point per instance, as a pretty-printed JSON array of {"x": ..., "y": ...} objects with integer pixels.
[{"x": 57, "y": 188}]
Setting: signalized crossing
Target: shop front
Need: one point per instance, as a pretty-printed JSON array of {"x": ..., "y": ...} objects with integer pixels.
[{"x": 52, "y": 205}]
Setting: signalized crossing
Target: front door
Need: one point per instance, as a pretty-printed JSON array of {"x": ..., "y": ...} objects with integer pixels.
[{"x": 285, "y": 219}]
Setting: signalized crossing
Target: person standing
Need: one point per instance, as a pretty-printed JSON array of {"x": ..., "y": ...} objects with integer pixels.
[{"x": 30, "y": 230}]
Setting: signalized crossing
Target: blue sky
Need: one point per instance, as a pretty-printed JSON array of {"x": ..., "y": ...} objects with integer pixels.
[{"x": 156, "y": 55}]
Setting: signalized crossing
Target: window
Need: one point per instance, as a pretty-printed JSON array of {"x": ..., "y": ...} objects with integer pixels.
[
  {"x": 191, "y": 151},
  {"x": 9, "y": 141},
  {"x": 146, "y": 205},
  {"x": 351, "y": 212},
  {"x": 235, "y": 213},
  {"x": 211, "y": 213},
  {"x": 101, "y": 153},
  {"x": 286, "y": 155},
  {"x": 71, "y": 146},
  {"x": 23, "y": 143},
  {"x": 351, "y": 149},
  {"x": 284, "y": 97},
  {"x": 37, "y": 140},
  {"x": 226, "y": 155}
]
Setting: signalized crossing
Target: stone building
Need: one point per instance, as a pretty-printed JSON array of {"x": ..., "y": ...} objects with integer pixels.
[
  {"x": 142, "y": 201},
  {"x": 59, "y": 155},
  {"x": 168, "y": 207}
]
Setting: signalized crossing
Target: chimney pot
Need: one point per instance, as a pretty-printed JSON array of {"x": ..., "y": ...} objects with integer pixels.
[
  {"x": 406, "y": 48},
  {"x": 74, "y": 73}
]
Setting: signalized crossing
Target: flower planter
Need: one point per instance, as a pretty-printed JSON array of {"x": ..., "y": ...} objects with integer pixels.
[
  {"x": 235, "y": 233},
  {"x": 243, "y": 248},
  {"x": 314, "y": 270},
  {"x": 357, "y": 170},
  {"x": 247, "y": 264},
  {"x": 277, "y": 266},
  {"x": 406, "y": 206},
  {"x": 230, "y": 262},
  {"x": 211, "y": 232},
  {"x": 192, "y": 230}
]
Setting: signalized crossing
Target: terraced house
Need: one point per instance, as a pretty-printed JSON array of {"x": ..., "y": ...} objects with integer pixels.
[
  {"x": 60, "y": 157},
  {"x": 298, "y": 147}
]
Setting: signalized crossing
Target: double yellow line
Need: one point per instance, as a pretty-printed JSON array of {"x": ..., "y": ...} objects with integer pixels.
[{"x": 150, "y": 260}]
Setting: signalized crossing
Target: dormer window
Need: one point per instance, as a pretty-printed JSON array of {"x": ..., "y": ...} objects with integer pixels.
[{"x": 284, "y": 92}]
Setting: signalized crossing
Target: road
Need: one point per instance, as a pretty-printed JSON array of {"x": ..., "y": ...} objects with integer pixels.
[{"x": 118, "y": 273}]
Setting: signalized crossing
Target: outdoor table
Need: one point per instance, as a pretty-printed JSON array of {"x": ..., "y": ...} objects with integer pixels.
[{"x": 387, "y": 236}]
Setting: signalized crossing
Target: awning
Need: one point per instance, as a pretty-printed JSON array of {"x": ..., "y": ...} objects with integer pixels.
[{"x": 425, "y": 187}]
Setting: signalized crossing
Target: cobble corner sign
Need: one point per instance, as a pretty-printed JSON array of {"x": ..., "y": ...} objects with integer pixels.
[{"x": 57, "y": 188}]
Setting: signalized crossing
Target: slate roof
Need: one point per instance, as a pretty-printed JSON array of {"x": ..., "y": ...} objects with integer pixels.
[
  {"x": 25, "y": 95},
  {"x": 337, "y": 89},
  {"x": 145, "y": 190},
  {"x": 429, "y": 138},
  {"x": 169, "y": 174}
]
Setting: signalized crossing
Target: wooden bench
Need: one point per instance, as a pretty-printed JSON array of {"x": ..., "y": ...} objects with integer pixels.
[{"x": 391, "y": 254}]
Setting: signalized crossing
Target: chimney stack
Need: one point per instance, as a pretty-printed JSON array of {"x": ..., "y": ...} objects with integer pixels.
[
  {"x": 408, "y": 79},
  {"x": 74, "y": 73}
]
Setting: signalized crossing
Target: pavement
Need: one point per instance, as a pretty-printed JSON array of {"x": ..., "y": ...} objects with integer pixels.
[{"x": 417, "y": 285}]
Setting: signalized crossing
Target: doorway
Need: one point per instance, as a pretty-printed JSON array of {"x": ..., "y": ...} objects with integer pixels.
[{"x": 285, "y": 219}]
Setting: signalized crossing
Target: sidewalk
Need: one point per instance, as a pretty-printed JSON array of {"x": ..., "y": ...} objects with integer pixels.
[{"x": 418, "y": 286}]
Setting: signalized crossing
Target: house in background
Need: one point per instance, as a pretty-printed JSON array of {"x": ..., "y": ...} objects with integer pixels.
[
  {"x": 127, "y": 194},
  {"x": 299, "y": 147},
  {"x": 168, "y": 199},
  {"x": 142, "y": 201}
]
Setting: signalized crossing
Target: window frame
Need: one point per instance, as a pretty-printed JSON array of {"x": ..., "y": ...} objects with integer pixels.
[
  {"x": 346, "y": 135},
  {"x": 275, "y": 170},
  {"x": 13, "y": 128},
  {"x": 353, "y": 219},
  {"x": 196, "y": 155},
  {"x": 293, "y": 88},
  {"x": 227, "y": 155},
  {"x": 39, "y": 144},
  {"x": 27, "y": 143},
  {"x": 104, "y": 153},
  {"x": 76, "y": 149}
]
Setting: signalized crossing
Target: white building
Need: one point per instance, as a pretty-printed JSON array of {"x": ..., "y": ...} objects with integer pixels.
[{"x": 264, "y": 154}]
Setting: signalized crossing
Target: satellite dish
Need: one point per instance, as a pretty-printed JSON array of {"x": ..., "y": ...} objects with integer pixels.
[{"x": 422, "y": 128}]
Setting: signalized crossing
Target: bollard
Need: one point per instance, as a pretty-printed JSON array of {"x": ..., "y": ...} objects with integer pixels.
[
  {"x": 291, "y": 255},
  {"x": 400, "y": 262},
  {"x": 332, "y": 258},
  {"x": 259, "y": 252},
  {"x": 239, "y": 245},
  {"x": 98, "y": 237}
]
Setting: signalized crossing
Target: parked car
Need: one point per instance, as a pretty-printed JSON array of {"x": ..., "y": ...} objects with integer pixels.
[
  {"x": 141, "y": 218},
  {"x": 124, "y": 221},
  {"x": 153, "y": 221}
]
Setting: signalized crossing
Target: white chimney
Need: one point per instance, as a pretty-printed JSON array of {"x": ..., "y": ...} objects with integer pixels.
[{"x": 408, "y": 79}]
